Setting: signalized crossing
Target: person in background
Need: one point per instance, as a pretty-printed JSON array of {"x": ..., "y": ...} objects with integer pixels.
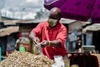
[
  {"x": 3, "y": 41},
  {"x": 72, "y": 41},
  {"x": 51, "y": 35}
]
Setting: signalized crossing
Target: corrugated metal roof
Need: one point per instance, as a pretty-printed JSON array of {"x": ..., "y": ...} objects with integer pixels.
[
  {"x": 65, "y": 21},
  {"x": 93, "y": 27}
]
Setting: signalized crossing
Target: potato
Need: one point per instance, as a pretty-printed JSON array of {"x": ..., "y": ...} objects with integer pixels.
[{"x": 26, "y": 59}]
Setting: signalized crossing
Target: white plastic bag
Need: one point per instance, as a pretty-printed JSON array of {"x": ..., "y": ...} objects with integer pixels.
[
  {"x": 59, "y": 61},
  {"x": 37, "y": 49}
]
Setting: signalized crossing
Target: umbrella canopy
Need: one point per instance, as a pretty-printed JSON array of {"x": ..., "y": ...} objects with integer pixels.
[
  {"x": 96, "y": 12},
  {"x": 53, "y": 3},
  {"x": 75, "y": 9}
]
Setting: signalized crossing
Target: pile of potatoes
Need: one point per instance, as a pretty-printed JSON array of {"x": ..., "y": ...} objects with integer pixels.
[{"x": 26, "y": 59}]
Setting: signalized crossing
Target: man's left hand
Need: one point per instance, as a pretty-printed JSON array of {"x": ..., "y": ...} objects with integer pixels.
[{"x": 44, "y": 43}]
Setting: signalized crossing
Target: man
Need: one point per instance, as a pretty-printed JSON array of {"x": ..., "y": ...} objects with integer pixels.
[{"x": 52, "y": 35}]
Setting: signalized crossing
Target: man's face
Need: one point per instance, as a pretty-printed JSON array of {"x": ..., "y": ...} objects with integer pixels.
[{"x": 53, "y": 20}]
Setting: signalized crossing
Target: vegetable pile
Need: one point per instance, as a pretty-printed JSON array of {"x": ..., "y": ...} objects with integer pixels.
[{"x": 26, "y": 59}]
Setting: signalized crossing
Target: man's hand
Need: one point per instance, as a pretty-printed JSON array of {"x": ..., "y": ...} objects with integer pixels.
[
  {"x": 33, "y": 37},
  {"x": 36, "y": 40},
  {"x": 44, "y": 43}
]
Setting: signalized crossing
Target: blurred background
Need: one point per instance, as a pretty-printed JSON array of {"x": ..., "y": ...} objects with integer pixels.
[{"x": 22, "y": 9}]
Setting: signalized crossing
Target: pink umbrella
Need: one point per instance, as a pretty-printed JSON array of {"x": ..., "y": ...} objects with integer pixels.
[
  {"x": 53, "y": 3},
  {"x": 96, "y": 12},
  {"x": 73, "y": 9}
]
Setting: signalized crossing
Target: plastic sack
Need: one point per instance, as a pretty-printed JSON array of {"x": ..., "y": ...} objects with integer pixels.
[
  {"x": 59, "y": 61},
  {"x": 37, "y": 49}
]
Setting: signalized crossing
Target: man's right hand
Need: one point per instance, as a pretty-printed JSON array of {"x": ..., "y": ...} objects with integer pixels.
[{"x": 36, "y": 40}]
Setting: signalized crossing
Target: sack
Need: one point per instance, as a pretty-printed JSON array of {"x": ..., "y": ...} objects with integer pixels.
[
  {"x": 37, "y": 49},
  {"x": 59, "y": 61}
]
